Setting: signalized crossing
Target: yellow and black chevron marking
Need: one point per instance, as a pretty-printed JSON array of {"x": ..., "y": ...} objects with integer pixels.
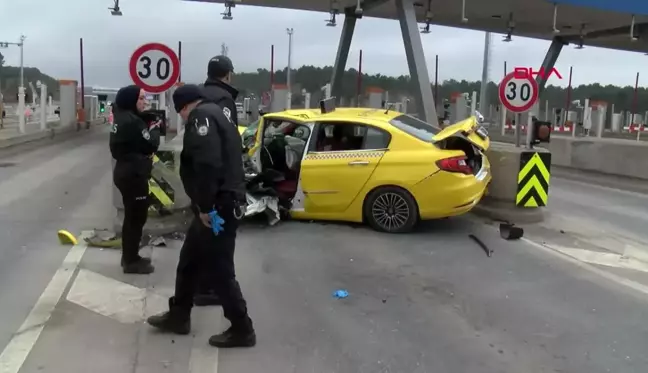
[
  {"x": 533, "y": 179},
  {"x": 344, "y": 155},
  {"x": 161, "y": 194}
]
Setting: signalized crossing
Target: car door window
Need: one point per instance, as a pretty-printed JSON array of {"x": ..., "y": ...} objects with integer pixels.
[
  {"x": 343, "y": 136},
  {"x": 375, "y": 138}
]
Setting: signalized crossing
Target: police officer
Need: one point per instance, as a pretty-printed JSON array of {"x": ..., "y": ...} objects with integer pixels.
[
  {"x": 212, "y": 174},
  {"x": 217, "y": 88},
  {"x": 133, "y": 140}
]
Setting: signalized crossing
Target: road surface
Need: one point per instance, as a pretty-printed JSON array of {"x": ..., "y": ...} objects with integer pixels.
[{"x": 430, "y": 301}]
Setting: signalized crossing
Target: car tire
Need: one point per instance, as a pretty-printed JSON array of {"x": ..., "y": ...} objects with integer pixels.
[{"x": 391, "y": 210}]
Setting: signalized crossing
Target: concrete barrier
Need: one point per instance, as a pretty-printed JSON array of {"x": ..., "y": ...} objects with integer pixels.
[
  {"x": 54, "y": 130},
  {"x": 519, "y": 188},
  {"x": 618, "y": 157},
  {"x": 608, "y": 156}
]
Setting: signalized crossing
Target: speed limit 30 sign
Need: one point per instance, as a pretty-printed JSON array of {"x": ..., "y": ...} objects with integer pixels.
[
  {"x": 154, "y": 67},
  {"x": 518, "y": 94}
]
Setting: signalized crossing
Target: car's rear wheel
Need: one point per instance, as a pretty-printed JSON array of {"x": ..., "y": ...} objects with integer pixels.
[{"x": 391, "y": 210}]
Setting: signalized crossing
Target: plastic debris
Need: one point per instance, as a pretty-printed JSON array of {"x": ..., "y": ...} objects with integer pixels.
[
  {"x": 103, "y": 239},
  {"x": 479, "y": 242},
  {"x": 509, "y": 231},
  {"x": 66, "y": 238},
  {"x": 341, "y": 293},
  {"x": 175, "y": 236},
  {"x": 263, "y": 204},
  {"x": 157, "y": 241}
]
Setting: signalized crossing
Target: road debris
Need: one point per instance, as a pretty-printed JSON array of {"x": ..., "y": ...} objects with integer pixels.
[
  {"x": 479, "y": 242},
  {"x": 340, "y": 294},
  {"x": 509, "y": 231}
]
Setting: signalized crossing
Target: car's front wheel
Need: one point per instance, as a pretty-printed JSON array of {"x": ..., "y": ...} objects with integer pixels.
[{"x": 391, "y": 210}]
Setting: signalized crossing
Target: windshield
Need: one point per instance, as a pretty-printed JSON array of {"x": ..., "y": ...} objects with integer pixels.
[{"x": 415, "y": 127}]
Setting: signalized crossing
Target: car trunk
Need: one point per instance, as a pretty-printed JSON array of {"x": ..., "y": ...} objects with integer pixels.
[{"x": 467, "y": 136}]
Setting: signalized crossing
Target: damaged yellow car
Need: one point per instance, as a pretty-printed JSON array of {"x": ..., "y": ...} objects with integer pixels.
[{"x": 381, "y": 167}]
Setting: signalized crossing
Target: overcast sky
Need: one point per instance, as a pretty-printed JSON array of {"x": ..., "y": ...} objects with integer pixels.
[{"x": 53, "y": 29}]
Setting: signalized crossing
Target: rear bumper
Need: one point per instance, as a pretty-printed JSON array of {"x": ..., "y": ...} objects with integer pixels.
[{"x": 446, "y": 194}]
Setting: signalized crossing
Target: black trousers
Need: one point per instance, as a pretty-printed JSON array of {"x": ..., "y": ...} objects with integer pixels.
[
  {"x": 134, "y": 191},
  {"x": 202, "y": 246}
]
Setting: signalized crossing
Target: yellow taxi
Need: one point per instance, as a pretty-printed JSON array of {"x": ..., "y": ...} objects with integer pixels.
[{"x": 377, "y": 166}]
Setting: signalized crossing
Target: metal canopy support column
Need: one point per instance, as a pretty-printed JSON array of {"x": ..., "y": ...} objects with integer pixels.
[
  {"x": 416, "y": 61},
  {"x": 342, "y": 54},
  {"x": 549, "y": 62}
]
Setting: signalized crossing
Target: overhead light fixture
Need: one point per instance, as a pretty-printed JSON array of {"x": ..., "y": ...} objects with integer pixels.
[
  {"x": 633, "y": 37},
  {"x": 227, "y": 14},
  {"x": 428, "y": 19},
  {"x": 333, "y": 12},
  {"x": 510, "y": 27},
  {"x": 555, "y": 20},
  {"x": 464, "y": 19},
  {"x": 115, "y": 11},
  {"x": 581, "y": 40}
]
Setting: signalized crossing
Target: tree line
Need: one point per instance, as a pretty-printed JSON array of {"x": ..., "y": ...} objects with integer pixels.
[{"x": 312, "y": 78}]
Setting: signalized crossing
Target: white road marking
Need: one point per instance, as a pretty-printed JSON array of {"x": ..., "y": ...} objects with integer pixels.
[
  {"x": 204, "y": 358},
  {"x": 22, "y": 342},
  {"x": 115, "y": 299},
  {"x": 603, "y": 258},
  {"x": 607, "y": 275}
]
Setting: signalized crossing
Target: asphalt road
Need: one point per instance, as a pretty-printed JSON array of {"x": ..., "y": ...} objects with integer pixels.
[
  {"x": 430, "y": 301},
  {"x": 622, "y": 212}
]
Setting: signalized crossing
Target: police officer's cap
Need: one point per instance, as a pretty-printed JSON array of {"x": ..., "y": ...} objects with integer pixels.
[
  {"x": 185, "y": 95},
  {"x": 219, "y": 66}
]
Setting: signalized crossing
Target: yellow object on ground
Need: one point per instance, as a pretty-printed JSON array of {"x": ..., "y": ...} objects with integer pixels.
[{"x": 66, "y": 238}]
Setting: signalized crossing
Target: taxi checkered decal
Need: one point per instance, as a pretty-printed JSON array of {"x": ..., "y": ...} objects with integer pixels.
[{"x": 344, "y": 155}]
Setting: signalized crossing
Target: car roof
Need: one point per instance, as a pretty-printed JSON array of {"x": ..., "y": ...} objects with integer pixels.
[{"x": 339, "y": 114}]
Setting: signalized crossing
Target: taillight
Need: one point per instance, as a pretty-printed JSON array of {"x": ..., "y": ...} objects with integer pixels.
[{"x": 455, "y": 164}]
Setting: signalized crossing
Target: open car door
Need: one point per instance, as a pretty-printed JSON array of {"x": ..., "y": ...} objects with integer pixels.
[
  {"x": 253, "y": 140},
  {"x": 469, "y": 129}
]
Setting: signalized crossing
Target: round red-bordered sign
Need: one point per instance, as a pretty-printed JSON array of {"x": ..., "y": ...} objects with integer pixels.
[
  {"x": 518, "y": 94},
  {"x": 154, "y": 67}
]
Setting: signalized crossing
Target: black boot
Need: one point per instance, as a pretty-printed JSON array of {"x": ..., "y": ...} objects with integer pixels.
[
  {"x": 139, "y": 267},
  {"x": 235, "y": 337},
  {"x": 207, "y": 299},
  {"x": 142, "y": 258},
  {"x": 175, "y": 320}
]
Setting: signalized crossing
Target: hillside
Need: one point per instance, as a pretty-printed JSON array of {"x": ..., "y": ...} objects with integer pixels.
[{"x": 10, "y": 78}]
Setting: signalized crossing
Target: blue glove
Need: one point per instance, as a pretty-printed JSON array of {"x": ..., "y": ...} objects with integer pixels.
[{"x": 216, "y": 222}]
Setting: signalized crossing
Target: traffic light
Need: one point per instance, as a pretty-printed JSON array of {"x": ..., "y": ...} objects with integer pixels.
[
  {"x": 541, "y": 132},
  {"x": 102, "y": 107}
]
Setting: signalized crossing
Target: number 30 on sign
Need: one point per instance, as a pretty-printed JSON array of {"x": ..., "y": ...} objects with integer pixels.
[
  {"x": 518, "y": 94},
  {"x": 154, "y": 67}
]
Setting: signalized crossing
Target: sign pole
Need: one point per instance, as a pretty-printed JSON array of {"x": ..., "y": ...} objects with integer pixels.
[
  {"x": 529, "y": 135},
  {"x": 518, "y": 130}
]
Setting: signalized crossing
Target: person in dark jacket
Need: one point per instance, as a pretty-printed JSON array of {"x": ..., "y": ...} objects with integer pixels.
[
  {"x": 217, "y": 88},
  {"x": 133, "y": 140},
  {"x": 211, "y": 170}
]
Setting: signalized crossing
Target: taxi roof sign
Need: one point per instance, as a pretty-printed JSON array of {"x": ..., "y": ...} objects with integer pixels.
[{"x": 327, "y": 105}]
